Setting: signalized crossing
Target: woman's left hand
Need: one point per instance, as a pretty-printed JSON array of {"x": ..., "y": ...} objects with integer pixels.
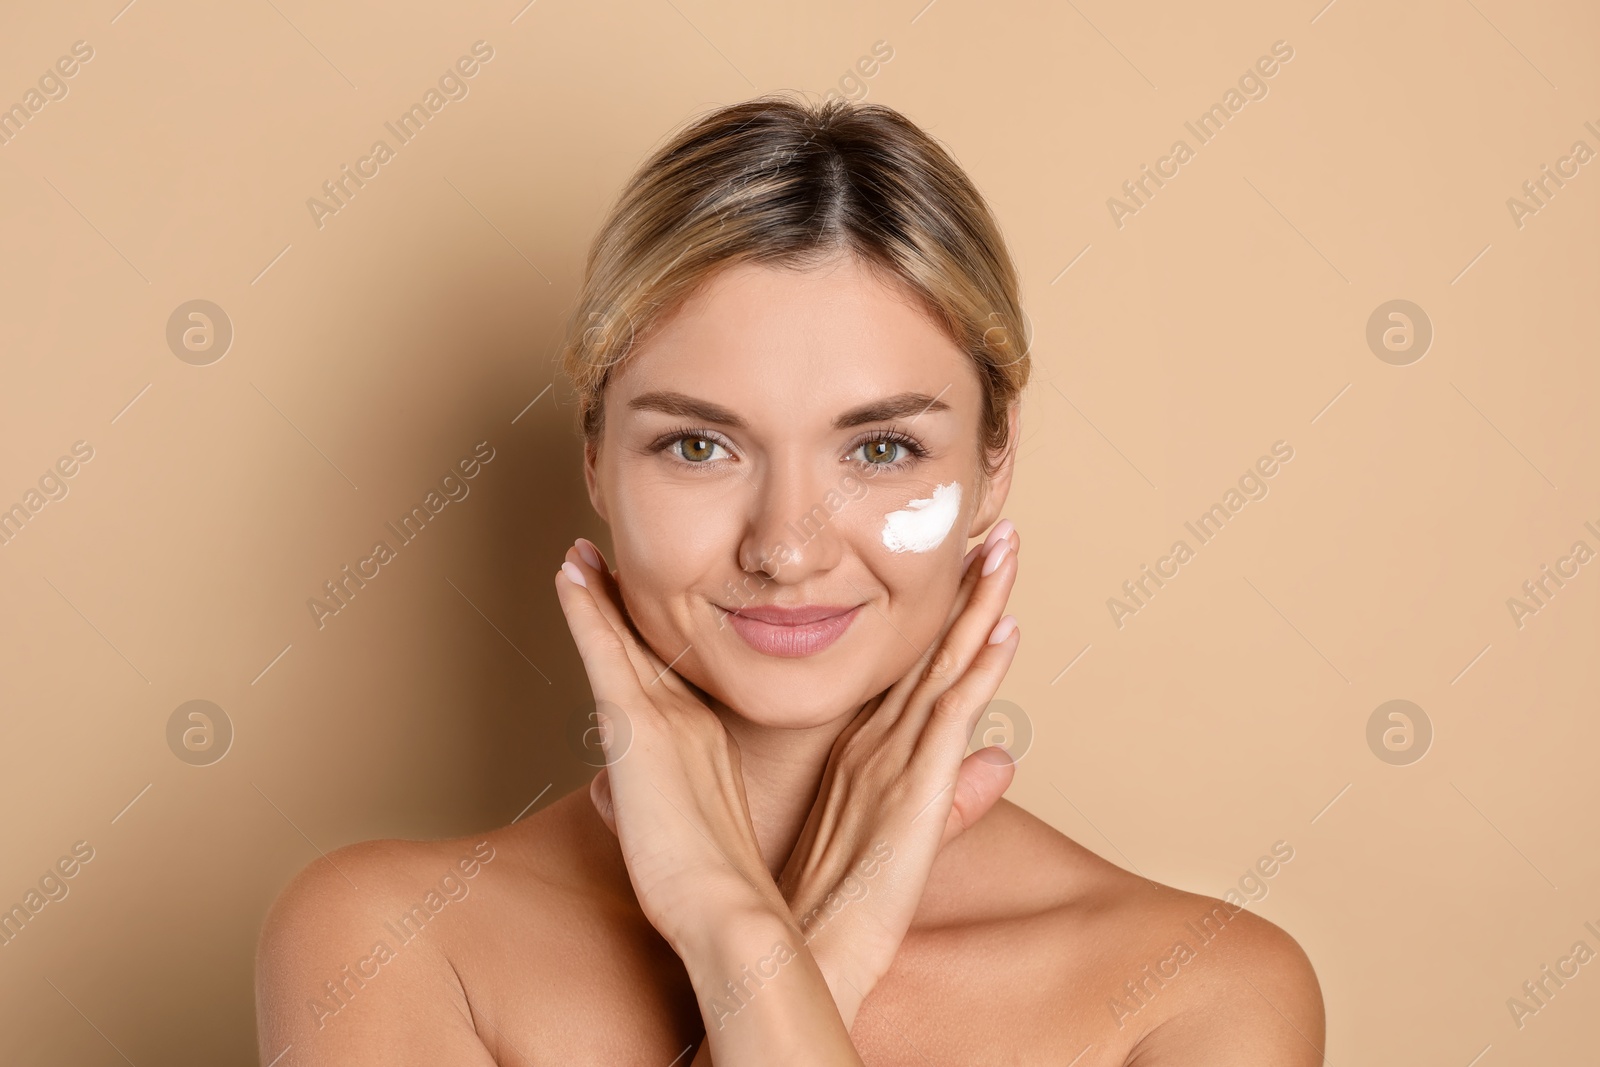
[{"x": 899, "y": 785}]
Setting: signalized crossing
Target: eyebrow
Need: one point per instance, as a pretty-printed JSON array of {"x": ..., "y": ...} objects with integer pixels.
[{"x": 882, "y": 410}]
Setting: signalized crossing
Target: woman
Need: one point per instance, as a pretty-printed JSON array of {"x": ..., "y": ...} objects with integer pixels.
[{"x": 798, "y": 362}]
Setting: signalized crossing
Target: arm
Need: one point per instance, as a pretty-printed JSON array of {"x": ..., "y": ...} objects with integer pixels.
[{"x": 762, "y": 996}]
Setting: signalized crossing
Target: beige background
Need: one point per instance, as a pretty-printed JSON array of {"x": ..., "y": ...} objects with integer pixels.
[{"x": 1229, "y": 313}]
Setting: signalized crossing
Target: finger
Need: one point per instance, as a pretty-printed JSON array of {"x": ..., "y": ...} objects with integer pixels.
[
  {"x": 608, "y": 594},
  {"x": 602, "y": 584},
  {"x": 899, "y": 694},
  {"x": 1004, "y": 528},
  {"x": 615, "y": 607},
  {"x": 973, "y": 576},
  {"x": 648, "y": 666},
  {"x": 965, "y": 638},
  {"x": 611, "y": 673},
  {"x": 600, "y": 797},
  {"x": 972, "y": 573},
  {"x": 984, "y": 777},
  {"x": 955, "y": 712}
]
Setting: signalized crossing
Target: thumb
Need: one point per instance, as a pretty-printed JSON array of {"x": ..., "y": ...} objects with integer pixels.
[
  {"x": 984, "y": 776},
  {"x": 600, "y": 796}
]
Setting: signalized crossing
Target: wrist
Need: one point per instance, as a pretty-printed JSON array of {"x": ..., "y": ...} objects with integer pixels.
[
  {"x": 733, "y": 958},
  {"x": 732, "y": 927},
  {"x": 852, "y": 959},
  {"x": 734, "y": 932},
  {"x": 846, "y": 982}
]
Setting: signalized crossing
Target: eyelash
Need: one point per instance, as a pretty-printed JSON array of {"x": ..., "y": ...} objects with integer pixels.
[{"x": 668, "y": 440}]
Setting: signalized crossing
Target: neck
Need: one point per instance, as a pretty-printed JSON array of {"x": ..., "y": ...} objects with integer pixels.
[{"x": 782, "y": 771}]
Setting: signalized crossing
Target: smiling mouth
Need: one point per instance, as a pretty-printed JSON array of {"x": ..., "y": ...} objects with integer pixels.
[{"x": 792, "y": 632}]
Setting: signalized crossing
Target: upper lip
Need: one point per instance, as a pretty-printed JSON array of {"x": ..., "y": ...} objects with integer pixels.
[{"x": 800, "y": 616}]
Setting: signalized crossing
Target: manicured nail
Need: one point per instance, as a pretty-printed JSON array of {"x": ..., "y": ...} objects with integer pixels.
[
  {"x": 971, "y": 552},
  {"x": 1002, "y": 629},
  {"x": 995, "y": 556},
  {"x": 588, "y": 552},
  {"x": 1001, "y": 529},
  {"x": 571, "y": 570}
]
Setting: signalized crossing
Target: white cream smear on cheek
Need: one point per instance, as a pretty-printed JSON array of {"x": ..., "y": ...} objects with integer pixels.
[{"x": 924, "y": 524}]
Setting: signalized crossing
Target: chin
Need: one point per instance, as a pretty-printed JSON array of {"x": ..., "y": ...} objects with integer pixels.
[
  {"x": 791, "y": 693},
  {"x": 792, "y": 699}
]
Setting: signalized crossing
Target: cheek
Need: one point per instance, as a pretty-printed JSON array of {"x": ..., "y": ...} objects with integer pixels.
[
  {"x": 910, "y": 538},
  {"x": 665, "y": 542},
  {"x": 657, "y": 530},
  {"x": 923, "y": 524}
]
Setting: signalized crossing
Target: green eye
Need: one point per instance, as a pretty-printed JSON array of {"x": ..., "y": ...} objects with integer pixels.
[
  {"x": 696, "y": 449},
  {"x": 881, "y": 451}
]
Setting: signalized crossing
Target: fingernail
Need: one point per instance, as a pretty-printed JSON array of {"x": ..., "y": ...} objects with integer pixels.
[
  {"x": 1002, "y": 629},
  {"x": 971, "y": 552},
  {"x": 995, "y": 557},
  {"x": 1001, "y": 529},
  {"x": 571, "y": 570},
  {"x": 997, "y": 756},
  {"x": 587, "y": 551}
]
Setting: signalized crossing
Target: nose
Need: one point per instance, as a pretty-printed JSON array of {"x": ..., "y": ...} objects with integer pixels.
[{"x": 790, "y": 533}]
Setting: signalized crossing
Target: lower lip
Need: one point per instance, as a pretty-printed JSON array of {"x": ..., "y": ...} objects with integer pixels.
[{"x": 772, "y": 639}]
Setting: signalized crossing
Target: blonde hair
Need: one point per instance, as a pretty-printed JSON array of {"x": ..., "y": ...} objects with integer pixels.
[{"x": 791, "y": 183}]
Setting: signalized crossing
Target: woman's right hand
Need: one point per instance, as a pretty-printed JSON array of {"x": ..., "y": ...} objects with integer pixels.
[
  {"x": 678, "y": 801},
  {"x": 683, "y": 823}
]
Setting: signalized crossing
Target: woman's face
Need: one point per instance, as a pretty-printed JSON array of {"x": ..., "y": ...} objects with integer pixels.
[{"x": 791, "y": 440}]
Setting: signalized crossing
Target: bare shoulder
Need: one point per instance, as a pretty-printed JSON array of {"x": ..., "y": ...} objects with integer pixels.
[
  {"x": 1168, "y": 976},
  {"x": 344, "y": 969},
  {"x": 358, "y": 956},
  {"x": 1238, "y": 990}
]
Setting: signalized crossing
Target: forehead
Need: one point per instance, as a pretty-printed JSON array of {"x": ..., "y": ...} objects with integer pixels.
[{"x": 807, "y": 343}]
